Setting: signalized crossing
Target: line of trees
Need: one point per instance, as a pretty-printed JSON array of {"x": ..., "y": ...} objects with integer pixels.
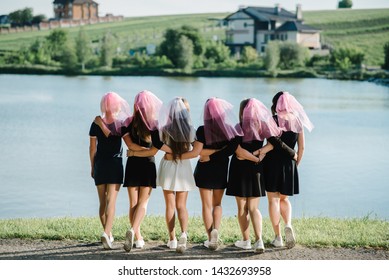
[
  {"x": 183, "y": 49},
  {"x": 25, "y": 17}
]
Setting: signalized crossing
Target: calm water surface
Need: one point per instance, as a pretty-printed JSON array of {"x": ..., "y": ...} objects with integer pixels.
[{"x": 45, "y": 120}]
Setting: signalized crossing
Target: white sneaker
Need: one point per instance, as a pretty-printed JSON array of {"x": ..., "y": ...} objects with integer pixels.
[
  {"x": 172, "y": 244},
  {"x": 244, "y": 244},
  {"x": 181, "y": 247},
  {"x": 106, "y": 241},
  {"x": 213, "y": 244},
  {"x": 129, "y": 242},
  {"x": 111, "y": 238},
  {"x": 277, "y": 243},
  {"x": 206, "y": 243},
  {"x": 289, "y": 237},
  {"x": 139, "y": 244},
  {"x": 259, "y": 248}
]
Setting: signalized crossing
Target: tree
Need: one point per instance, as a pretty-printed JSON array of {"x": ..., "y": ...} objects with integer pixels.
[
  {"x": 185, "y": 53},
  {"x": 249, "y": 54},
  {"x": 291, "y": 55},
  {"x": 217, "y": 51},
  {"x": 345, "y": 4},
  {"x": 169, "y": 46},
  {"x": 38, "y": 19},
  {"x": 21, "y": 17},
  {"x": 107, "y": 50},
  {"x": 83, "y": 48},
  {"x": 56, "y": 42},
  {"x": 346, "y": 57},
  {"x": 386, "y": 54},
  {"x": 69, "y": 58},
  {"x": 272, "y": 57}
]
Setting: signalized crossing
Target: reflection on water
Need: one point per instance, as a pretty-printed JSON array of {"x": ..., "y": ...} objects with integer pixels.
[{"x": 44, "y": 123}]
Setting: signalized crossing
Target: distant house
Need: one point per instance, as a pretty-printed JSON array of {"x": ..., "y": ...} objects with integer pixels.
[
  {"x": 75, "y": 9},
  {"x": 4, "y": 19},
  {"x": 257, "y": 26}
]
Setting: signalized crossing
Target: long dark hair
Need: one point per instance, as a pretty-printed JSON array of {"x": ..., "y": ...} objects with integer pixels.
[
  {"x": 139, "y": 128},
  {"x": 275, "y": 100},
  {"x": 243, "y": 105}
]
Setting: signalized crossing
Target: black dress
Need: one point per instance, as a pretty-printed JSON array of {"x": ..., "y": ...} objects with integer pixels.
[
  {"x": 108, "y": 163},
  {"x": 245, "y": 178},
  {"x": 140, "y": 171},
  {"x": 280, "y": 169},
  {"x": 213, "y": 174}
]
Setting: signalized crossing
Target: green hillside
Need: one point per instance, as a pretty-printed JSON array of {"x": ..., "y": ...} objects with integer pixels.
[{"x": 365, "y": 29}]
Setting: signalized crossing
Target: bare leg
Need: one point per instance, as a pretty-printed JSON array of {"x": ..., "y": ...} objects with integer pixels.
[
  {"x": 101, "y": 191},
  {"x": 274, "y": 211},
  {"x": 256, "y": 217},
  {"x": 206, "y": 201},
  {"x": 133, "y": 194},
  {"x": 112, "y": 193},
  {"x": 140, "y": 211},
  {"x": 217, "y": 208},
  {"x": 286, "y": 209},
  {"x": 182, "y": 211},
  {"x": 243, "y": 217},
  {"x": 170, "y": 213}
]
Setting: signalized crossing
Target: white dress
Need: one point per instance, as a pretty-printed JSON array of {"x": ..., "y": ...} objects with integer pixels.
[{"x": 176, "y": 176}]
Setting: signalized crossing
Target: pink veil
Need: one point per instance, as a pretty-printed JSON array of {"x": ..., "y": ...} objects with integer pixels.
[
  {"x": 149, "y": 107},
  {"x": 219, "y": 121},
  {"x": 258, "y": 122},
  {"x": 115, "y": 112},
  {"x": 291, "y": 114},
  {"x": 175, "y": 122}
]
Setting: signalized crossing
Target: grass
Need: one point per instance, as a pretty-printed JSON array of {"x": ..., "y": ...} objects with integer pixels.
[{"x": 311, "y": 232}]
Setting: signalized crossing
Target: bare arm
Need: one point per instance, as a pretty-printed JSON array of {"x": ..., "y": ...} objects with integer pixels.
[
  {"x": 244, "y": 154},
  {"x": 131, "y": 145},
  {"x": 195, "y": 152},
  {"x": 103, "y": 127},
  {"x": 300, "y": 147},
  {"x": 144, "y": 153},
  {"x": 92, "y": 152}
]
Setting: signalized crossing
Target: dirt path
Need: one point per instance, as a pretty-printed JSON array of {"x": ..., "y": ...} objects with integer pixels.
[{"x": 21, "y": 249}]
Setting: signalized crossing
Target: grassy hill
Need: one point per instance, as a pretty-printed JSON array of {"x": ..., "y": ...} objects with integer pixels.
[{"x": 365, "y": 29}]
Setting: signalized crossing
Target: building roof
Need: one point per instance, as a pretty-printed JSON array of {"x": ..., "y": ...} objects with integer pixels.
[
  {"x": 297, "y": 26},
  {"x": 266, "y": 13},
  {"x": 63, "y": 2}
]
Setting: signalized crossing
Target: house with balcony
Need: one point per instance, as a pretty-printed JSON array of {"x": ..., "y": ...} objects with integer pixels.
[
  {"x": 75, "y": 9},
  {"x": 257, "y": 26}
]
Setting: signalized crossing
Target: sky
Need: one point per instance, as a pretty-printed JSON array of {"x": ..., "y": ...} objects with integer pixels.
[{"x": 134, "y": 8}]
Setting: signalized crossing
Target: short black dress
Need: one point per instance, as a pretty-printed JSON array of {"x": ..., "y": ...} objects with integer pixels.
[
  {"x": 245, "y": 178},
  {"x": 140, "y": 171},
  {"x": 213, "y": 174},
  {"x": 108, "y": 162},
  {"x": 280, "y": 169}
]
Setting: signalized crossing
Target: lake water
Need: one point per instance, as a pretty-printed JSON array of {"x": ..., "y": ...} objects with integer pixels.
[{"x": 45, "y": 120}]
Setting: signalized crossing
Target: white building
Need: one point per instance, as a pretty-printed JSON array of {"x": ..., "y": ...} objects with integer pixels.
[{"x": 256, "y": 26}]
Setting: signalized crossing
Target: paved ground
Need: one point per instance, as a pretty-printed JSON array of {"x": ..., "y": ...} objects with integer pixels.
[{"x": 21, "y": 249}]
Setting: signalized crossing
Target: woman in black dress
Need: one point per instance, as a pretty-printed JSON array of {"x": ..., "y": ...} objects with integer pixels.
[
  {"x": 140, "y": 174},
  {"x": 245, "y": 180},
  {"x": 106, "y": 158},
  {"x": 281, "y": 176},
  {"x": 218, "y": 139}
]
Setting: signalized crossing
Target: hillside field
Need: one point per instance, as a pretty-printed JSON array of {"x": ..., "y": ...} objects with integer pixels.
[{"x": 366, "y": 29}]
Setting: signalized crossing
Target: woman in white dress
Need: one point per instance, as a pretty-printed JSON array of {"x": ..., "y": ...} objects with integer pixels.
[{"x": 175, "y": 174}]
